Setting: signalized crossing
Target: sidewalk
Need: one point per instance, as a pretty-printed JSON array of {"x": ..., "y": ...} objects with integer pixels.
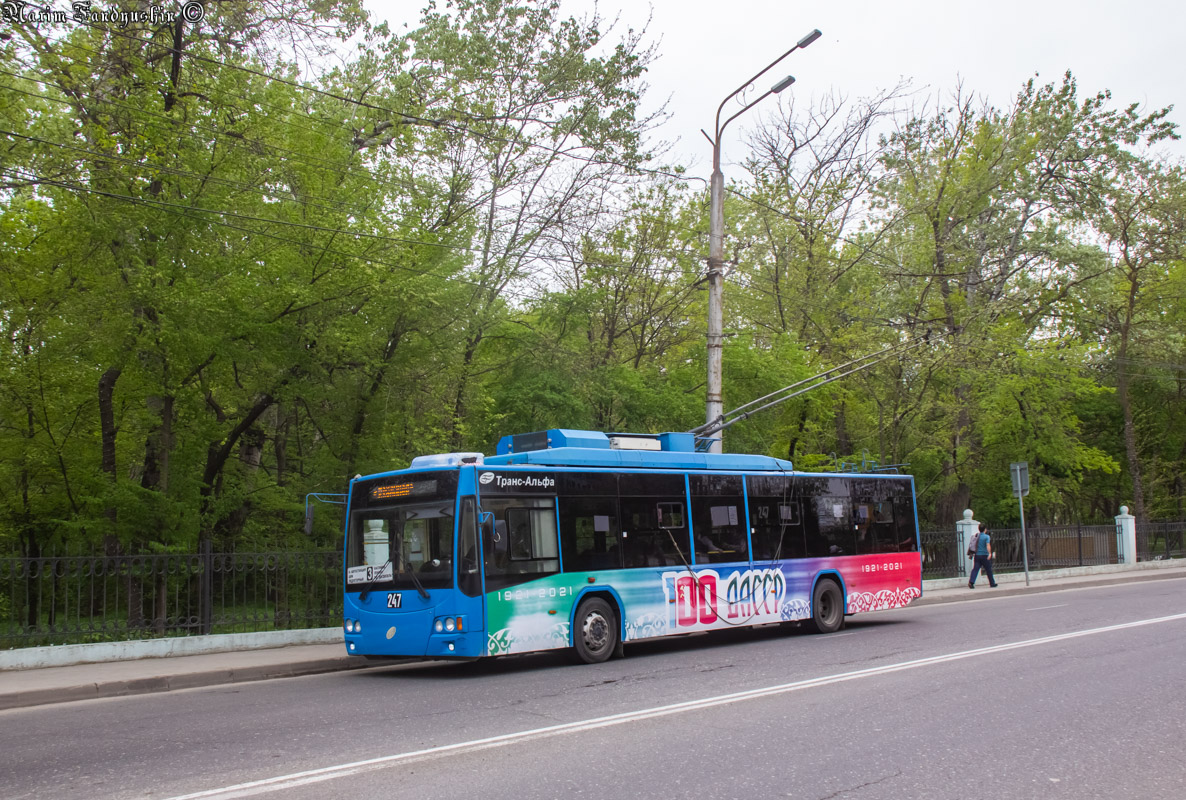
[
  {"x": 32, "y": 687},
  {"x": 954, "y": 590}
]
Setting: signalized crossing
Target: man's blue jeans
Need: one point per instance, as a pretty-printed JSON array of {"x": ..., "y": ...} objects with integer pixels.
[{"x": 985, "y": 563}]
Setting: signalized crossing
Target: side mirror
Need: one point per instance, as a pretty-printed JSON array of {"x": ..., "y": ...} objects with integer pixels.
[
  {"x": 487, "y": 524},
  {"x": 321, "y": 497}
]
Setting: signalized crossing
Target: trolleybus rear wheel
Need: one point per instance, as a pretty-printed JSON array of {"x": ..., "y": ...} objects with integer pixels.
[
  {"x": 596, "y": 633},
  {"x": 827, "y": 607}
]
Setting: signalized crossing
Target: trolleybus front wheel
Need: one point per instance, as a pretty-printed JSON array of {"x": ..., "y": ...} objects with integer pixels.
[
  {"x": 596, "y": 632},
  {"x": 827, "y": 607}
]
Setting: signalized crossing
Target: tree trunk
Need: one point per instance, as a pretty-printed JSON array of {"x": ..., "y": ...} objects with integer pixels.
[
  {"x": 1123, "y": 395},
  {"x": 793, "y": 443},
  {"x": 158, "y": 445},
  {"x": 1130, "y": 442},
  {"x": 364, "y": 402},
  {"x": 107, "y": 424},
  {"x": 280, "y": 444},
  {"x": 107, "y": 434},
  {"x": 217, "y": 455},
  {"x": 843, "y": 441},
  {"x": 471, "y": 349}
]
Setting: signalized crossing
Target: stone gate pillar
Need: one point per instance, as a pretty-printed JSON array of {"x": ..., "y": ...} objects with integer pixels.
[
  {"x": 965, "y": 529},
  {"x": 1126, "y": 537}
]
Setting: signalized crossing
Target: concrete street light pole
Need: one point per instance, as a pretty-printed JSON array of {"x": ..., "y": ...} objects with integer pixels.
[{"x": 714, "y": 407}]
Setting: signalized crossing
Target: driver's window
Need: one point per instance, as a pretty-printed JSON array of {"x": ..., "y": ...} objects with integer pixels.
[{"x": 469, "y": 577}]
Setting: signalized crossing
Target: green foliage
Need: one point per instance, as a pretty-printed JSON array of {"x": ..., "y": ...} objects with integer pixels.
[{"x": 227, "y": 281}]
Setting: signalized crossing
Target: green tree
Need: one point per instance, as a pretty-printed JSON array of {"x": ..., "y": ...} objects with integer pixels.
[
  {"x": 989, "y": 207},
  {"x": 1143, "y": 221}
]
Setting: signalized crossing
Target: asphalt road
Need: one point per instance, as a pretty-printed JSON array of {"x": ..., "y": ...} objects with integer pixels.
[{"x": 1074, "y": 694}]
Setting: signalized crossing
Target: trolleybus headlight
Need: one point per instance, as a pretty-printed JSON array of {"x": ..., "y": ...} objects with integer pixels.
[
  {"x": 439, "y": 626},
  {"x": 349, "y": 626},
  {"x": 450, "y": 624},
  {"x": 358, "y": 626}
]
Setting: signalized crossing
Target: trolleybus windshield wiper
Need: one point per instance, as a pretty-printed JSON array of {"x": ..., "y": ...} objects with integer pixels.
[
  {"x": 412, "y": 571},
  {"x": 367, "y": 587}
]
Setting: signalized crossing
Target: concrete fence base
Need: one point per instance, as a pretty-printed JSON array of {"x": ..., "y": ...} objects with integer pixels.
[{"x": 69, "y": 654}]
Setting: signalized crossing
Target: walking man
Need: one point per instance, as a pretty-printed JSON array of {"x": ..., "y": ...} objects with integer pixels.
[{"x": 983, "y": 558}]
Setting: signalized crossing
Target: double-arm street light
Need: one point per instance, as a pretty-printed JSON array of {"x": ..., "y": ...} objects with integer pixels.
[{"x": 716, "y": 237}]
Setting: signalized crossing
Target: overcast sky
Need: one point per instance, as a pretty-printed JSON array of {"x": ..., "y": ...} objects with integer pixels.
[{"x": 706, "y": 49}]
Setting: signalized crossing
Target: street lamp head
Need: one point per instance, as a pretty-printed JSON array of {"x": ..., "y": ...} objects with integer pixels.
[
  {"x": 809, "y": 38},
  {"x": 784, "y": 83}
]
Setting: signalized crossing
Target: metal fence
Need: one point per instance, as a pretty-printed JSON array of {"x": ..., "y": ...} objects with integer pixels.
[
  {"x": 1158, "y": 540},
  {"x": 1051, "y": 547},
  {"x": 70, "y": 599}
]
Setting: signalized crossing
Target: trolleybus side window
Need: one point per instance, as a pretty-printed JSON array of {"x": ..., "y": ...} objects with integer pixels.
[
  {"x": 834, "y": 535},
  {"x": 532, "y": 534},
  {"x": 718, "y": 518},
  {"x": 873, "y": 515},
  {"x": 775, "y": 516},
  {"x": 654, "y": 531},
  {"x": 589, "y": 533},
  {"x": 654, "y": 521},
  {"x": 776, "y": 527},
  {"x": 907, "y": 534},
  {"x": 827, "y": 518},
  {"x": 862, "y": 522},
  {"x": 523, "y": 545}
]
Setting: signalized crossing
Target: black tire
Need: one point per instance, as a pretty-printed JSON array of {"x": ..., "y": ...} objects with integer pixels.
[
  {"x": 827, "y": 607},
  {"x": 595, "y": 632}
]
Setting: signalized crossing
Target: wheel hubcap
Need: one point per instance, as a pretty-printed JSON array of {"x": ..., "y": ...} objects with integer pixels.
[
  {"x": 829, "y": 608},
  {"x": 595, "y": 631}
]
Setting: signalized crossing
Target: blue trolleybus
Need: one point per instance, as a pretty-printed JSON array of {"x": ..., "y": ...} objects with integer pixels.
[{"x": 587, "y": 541}]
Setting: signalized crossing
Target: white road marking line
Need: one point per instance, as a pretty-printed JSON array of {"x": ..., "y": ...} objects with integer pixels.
[
  {"x": 295, "y": 779},
  {"x": 1043, "y": 608}
]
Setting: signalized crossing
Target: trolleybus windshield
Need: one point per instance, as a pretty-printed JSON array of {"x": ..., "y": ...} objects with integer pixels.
[{"x": 401, "y": 546}]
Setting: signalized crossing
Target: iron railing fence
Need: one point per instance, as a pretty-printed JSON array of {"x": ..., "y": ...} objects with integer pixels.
[
  {"x": 1054, "y": 546},
  {"x": 71, "y": 599},
  {"x": 941, "y": 554},
  {"x": 1158, "y": 540},
  {"x": 77, "y": 598},
  {"x": 1051, "y": 547}
]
